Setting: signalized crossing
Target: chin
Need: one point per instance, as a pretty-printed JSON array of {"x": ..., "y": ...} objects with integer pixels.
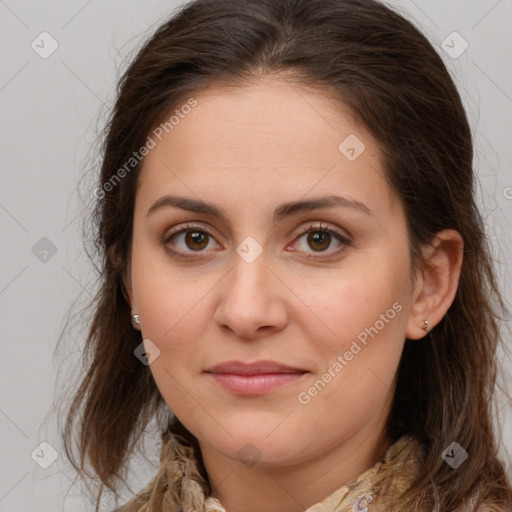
[{"x": 261, "y": 450}]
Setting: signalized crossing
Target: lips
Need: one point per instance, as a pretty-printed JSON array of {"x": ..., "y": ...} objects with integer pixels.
[
  {"x": 257, "y": 378},
  {"x": 255, "y": 368}
]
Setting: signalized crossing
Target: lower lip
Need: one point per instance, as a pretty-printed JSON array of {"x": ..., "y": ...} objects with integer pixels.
[{"x": 255, "y": 384}]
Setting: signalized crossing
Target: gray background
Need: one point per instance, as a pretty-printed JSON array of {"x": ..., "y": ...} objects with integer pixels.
[{"x": 51, "y": 111}]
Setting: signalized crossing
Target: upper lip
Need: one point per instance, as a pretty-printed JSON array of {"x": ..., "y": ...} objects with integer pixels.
[{"x": 255, "y": 368}]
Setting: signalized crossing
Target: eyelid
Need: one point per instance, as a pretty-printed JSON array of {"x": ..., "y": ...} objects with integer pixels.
[
  {"x": 320, "y": 226},
  {"x": 187, "y": 227}
]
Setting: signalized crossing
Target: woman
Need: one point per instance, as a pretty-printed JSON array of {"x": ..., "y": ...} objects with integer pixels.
[{"x": 294, "y": 265}]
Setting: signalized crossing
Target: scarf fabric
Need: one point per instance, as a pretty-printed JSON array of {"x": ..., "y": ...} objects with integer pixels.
[{"x": 373, "y": 491}]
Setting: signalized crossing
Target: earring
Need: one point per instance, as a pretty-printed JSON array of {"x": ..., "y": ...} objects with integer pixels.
[
  {"x": 426, "y": 327},
  {"x": 135, "y": 320}
]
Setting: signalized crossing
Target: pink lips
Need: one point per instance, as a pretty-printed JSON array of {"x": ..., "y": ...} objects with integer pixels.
[{"x": 254, "y": 378}]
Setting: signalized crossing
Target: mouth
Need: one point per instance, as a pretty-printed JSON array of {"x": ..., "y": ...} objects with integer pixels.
[{"x": 254, "y": 378}]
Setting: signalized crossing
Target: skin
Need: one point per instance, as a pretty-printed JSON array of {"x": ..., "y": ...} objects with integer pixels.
[{"x": 247, "y": 150}]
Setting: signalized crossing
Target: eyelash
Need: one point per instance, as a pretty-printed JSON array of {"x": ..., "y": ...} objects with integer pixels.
[{"x": 311, "y": 228}]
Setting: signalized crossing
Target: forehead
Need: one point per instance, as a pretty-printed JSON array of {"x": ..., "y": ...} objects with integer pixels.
[
  {"x": 264, "y": 140},
  {"x": 270, "y": 114}
]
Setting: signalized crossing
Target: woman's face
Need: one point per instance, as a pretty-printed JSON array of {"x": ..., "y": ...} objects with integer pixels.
[{"x": 252, "y": 276}]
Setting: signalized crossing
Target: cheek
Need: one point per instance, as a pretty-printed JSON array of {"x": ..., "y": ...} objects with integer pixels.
[
  {"x": 170, "y": 301},
  {"x": 363, "y": 302}
]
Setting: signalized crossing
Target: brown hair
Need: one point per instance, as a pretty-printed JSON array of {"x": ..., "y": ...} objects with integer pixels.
[{"x": 389, "y": 75}]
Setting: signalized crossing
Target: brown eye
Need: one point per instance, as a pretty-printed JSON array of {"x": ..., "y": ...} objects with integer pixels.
[
  {"x": 196, "y": 240},
  {"x": 319, "y": 240},
  {"x": 192, "y": 239},
  {"x": 189, "y": 240}
]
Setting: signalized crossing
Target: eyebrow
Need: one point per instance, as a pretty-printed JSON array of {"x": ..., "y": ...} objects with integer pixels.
[{"x": 281, "y": 211}]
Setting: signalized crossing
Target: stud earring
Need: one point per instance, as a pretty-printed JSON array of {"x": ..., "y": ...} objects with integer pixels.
[
  {"x": 426, "y": 327},
  {"x": 135, "y": 320}
]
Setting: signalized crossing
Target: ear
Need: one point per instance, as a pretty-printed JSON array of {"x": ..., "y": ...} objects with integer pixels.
[{"x": 436, "y": 283}]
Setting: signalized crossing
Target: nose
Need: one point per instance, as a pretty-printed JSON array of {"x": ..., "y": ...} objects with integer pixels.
[{"x": 252, "y": 299}]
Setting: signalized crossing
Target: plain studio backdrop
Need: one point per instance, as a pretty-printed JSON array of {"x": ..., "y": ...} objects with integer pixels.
[{"x": 60, "y": 64}]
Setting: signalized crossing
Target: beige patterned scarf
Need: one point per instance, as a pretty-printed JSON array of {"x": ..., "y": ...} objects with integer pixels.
[{"x": 372, "y": 491}]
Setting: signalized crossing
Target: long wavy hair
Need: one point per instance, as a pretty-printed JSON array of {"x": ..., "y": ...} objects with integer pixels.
[{"x": 387, "y": 73}]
